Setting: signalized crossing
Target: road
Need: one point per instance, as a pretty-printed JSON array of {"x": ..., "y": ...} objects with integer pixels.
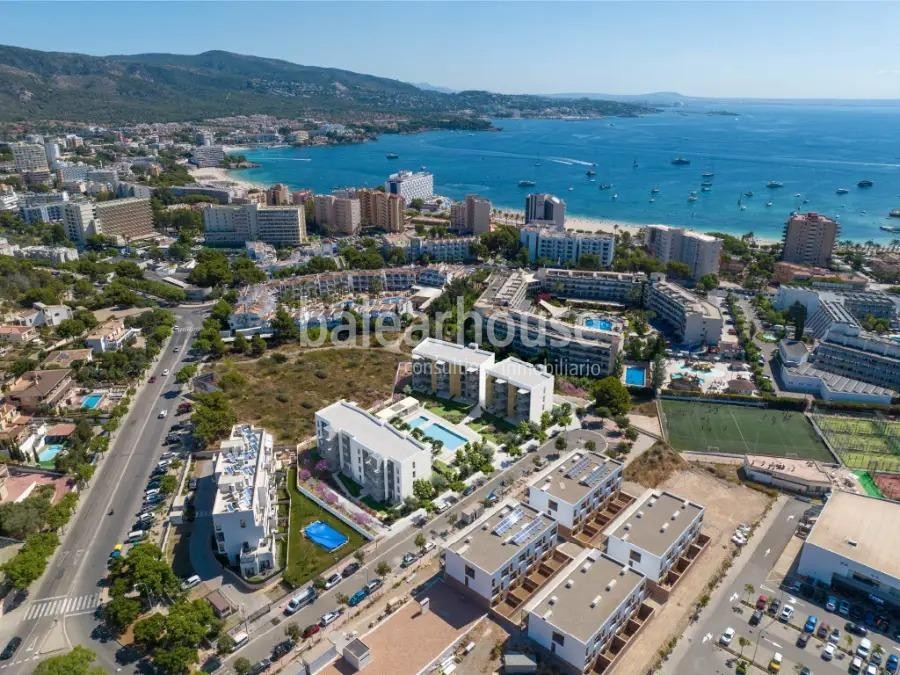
[
  {"x": 60, "y": 610},
  {"x": 266, "y": 636}
]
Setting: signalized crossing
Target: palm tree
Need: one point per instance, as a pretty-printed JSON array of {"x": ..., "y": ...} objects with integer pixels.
[
  {"x": 744, "y": 643},
  {"x": 848, "y": 640},
  {"x": 749, "y": 589}
]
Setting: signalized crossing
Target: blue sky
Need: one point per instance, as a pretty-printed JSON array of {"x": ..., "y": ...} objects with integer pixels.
[{"x": 735, "y": 49}]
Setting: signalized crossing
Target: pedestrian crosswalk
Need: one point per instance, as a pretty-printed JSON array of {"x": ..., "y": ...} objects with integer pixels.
[{"x": 63, "y": 606}]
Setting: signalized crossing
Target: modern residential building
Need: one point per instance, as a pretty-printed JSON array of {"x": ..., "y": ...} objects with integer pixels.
[
  {"x": 574, "y": 488},
  {"x": 852, "y": 352},
  {"x": 39, "y": 389},
  {"x": 578, "y": 617},
  {"x": 694, "y": 321},
  {"x": 447, "y": 249},
  {"x": 518, "y": 391},
  {"x": 809, "y": 239},
  {"x": 110, "y": 336},
  {"x": 279, "y": 195},
  {"x": 383, "y": 460},
  {"x": 545, "y": 209},
  {"x": 700, "y": 252},
  {"x": 473, "y": 214},
  {"x": 79, "y": 220},
  {"x": 449, "y": 370},
  {"x": 556, "y": 246},
  {"x": 382, "y": 210},
  {"x": 235, "y": 225},
  {"x": 653, "y": 533},
  {"x": 495, "y": 554},
  {"x": 244, "y": 513},
  {"x": 848, "y": 549},
  {"x": 626, "y": 288},
  {"x": 208, "y": 155},
  {"x": 124, "y": 219},
  {"x": 339, "y": 213},
  {"x": 409, "y": 185},
  {"x": 29, "y": 157}
]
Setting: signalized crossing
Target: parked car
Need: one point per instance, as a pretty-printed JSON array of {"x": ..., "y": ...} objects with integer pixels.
[
  {"x": 856, "y": 629},
  {"x": 810, "y": 624},
  {"x": 358, "y": 597},
  {"x": 165, "y": 372},
  {"x": 871, "y": 669},
  {"x": 786, "y": 613},
  {"x": 727, "y": 636},
  {"x": 802, "y": 639},
  {"x": 774, "y": 605},
  {"x": 301, "y": 599},
  {"x": 408, "y": 559},
  {"x": 855, "y": 665},
  {"x": 876, "y": 657},
  {"x": 756, "y": 617},
  {"x": 311, "y": 630},
  {"x": 282, "y": 649},
  {"x": 260, "y": 667},
  {"x": 843, "y": 608},
  {"x": 822, "y": 630},
  {"x": 469, "y": 489},
  {"x": 373, "y": 585},
  {"x": 352, "y": 568},
  {"x": 10, "y": 649},
  {"x": 775, "y": 663},
  {"x": 828, "y": 651},
  {"x": 864, "y": 648},
  {"x": 329, "y": 617},
  {"x": 892, "y": 662},
  {"x": 835, "y": 636},
  {"x": 152, "y": 379},
  {"x": 163, "y": 413},
  {"x": 831, "y": 603},
  {"x": 332, "y": 581},
  {"x": 190, "y": 582}
]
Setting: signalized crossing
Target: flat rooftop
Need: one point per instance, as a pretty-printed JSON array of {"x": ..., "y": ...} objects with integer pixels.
[
  {"x": 587, "y": 592},
  {"x": 371, "y": 431},
  {"x": 656, "y": 521},
  {"x": 240, "y": 466},
  {"x": 571, "y": 478},
  {"x": 791, "y": 469},
  {"x": 870, "y": 523},
  {"x": 520, "y": 373},
  {"x": 501, "y": 535},
  {"x": 441, "y": 350}
]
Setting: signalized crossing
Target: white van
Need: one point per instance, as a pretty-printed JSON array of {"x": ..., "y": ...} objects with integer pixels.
[
  {"x": 153, "y": 492},
  {"x": 303, "y": 598},
  {"x": 190, "y": 582},
  {"x": 428, "y": 547},
  {"x": 240, "y": 639},
  {"x": 137, "y": 535}
]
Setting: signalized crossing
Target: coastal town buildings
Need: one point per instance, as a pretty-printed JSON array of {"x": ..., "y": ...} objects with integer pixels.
[
  {"x": 369, "y": 450},
  {"x": 556, "y": 246},
  {"x": 124, "y": 220},
  {"x": 39, "y": 389},
  {"x": 446, "y": 249},
  {"x": 382, "y": 210},
  {"x": 409, "y": 185},
  {"x": 809, "y": 239},
  {"x": 338, "y": 214},
  {"x": 700, "y": 252},
  {"x": 473, "y": 214},
  {"x": 244, "y": 512},
  {"x": 543, "y": 209},
  {"x": 29, "y": 157},
  {"x": 110, "y": 336},
  {"x": 518, "y": 391},
  {"x": 693, "y": 320},
  {"x": 449, "y": 370},
  {"x": 208, "y": 155},
  {"x": 235, "y": 225},
  {"x": 626, "y": 288}
]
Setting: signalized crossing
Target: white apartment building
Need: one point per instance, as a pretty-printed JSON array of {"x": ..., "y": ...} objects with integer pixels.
[
  {"x": 29, "y": 157},
  {"x": 653, "y": 533},
  {"x": 244, "y": 514},
  {"x": 499, "y": 549},
  {"x": 409, "y": 185},
  {"x": 78, "y": 219},
  {"x": 577, "y": 617},
  {"x": 626, "y": 288},
  {"x": 235, "y": 225},
  {"x": 545, "y": 209},
  {"x": 700, "y": 252},
  {"x": 558, "y": 246},
  {"x": 208, "y": 155},
  {"x": 110, "y": 336},
  {"x": 518, "y": 391},
  {"x": 449, "y": 370},
  {"x": 694, "y": 320},
  {"x": 380, "y": 458},
  {"x": 339, "y": 213},
  {"x": 574, "y": 487},
  {"x": 448, "y": 249}
]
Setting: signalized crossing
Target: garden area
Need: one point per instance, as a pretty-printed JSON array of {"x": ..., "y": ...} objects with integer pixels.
[
  {"x": 305, "y": 559},
  {"x": 697, "y": 426},
  {"x": 283, "y": 389},
  {"x": 869, "y": 443}
]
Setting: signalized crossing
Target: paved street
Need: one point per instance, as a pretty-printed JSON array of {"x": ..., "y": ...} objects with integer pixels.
[{"x": 60, "y": 610}]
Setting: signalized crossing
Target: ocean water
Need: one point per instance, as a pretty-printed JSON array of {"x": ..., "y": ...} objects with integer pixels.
[{"x": 812, "y": 149}]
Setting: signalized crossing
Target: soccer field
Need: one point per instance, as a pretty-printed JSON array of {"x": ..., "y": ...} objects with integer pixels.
[{"x": 716, "y": 427}]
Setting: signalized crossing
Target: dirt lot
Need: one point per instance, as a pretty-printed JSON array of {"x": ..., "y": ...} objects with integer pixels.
[
  {"x": 889, "y": 484},
  {"x": 720, "y": 518},
  {"x": 424, "y": 636}
]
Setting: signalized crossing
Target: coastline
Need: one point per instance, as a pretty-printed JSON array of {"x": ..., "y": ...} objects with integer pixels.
[{"x": 223, "y": 178}]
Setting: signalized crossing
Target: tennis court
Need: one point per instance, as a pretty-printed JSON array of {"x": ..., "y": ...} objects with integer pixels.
[{"x": 718, "y": 427}]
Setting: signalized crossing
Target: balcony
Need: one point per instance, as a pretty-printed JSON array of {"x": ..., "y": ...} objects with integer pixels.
[
  {"x": 623, "y": 637},
  {"x": 590, "y": 532},
  {"x": 683, "y": 563},
  {"x": 522, "y": 590}
]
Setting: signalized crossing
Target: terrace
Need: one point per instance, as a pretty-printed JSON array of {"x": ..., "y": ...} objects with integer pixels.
[
  {"x": 590, "y": 532},
  {"x": 622, "y": 639},
  {"x": 522, "y": 591}
]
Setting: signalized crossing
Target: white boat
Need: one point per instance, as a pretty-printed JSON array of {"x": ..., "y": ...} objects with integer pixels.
[{"x": 768, "y": 203}]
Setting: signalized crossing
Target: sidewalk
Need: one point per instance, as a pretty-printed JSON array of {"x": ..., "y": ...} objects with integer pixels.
[{"x": 719, "y": 595}]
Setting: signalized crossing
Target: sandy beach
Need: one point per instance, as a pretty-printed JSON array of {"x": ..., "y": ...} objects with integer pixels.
[{"x": 222, "y": 178}]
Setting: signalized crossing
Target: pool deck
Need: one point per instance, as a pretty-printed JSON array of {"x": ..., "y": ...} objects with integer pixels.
[{"x": 462, "y": 430}]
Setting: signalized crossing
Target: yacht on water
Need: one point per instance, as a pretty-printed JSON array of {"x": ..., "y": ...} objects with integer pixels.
[
  {"x": 705, "y": 188},
  {"x": 654, "y": 191},
  {"x": 605, "y": 186},
  {"x": 527, "y": 183},
  {"x": 890, "y": 228},
  {"x": 590, "y": 172},
  {"x": 865, "y": 183},
  {"x": 841, "y": 191},
  {"x": 748, "y": 193},
  {"x": 708, "y": 174},
  {"x": 894, "y": 213},
  {"x": 615, "y": 196},
  {"x": 768, "y": 204},
  {"x": 634, "y": 164},
  {"x": 692, "y": 198},
  {"x": 681, "y": 161},
  {"x": 392, "y": 155},
  {"x": 774, "y": 184}
]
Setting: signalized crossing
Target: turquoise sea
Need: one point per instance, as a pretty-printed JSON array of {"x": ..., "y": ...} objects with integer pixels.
[{"x": 812, "y": 149}]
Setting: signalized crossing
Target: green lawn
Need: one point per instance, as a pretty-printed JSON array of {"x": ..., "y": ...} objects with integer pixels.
[
  {"x": 306, "y": 559},
  {"x": 491, "y": 426},
  {"x": 452, "y": 411},
  {"x": 715, "y": 427}
]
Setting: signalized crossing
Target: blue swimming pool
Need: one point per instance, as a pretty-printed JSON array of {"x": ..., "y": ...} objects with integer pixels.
[
  {"x": 602, "y": 324},
  {"x": 325, "y": 535},
  {"x": 635, "y": 376},
  {"x": 438, "y": 432},
  {"x": 92, "y": 401},
  {"x": 49, "y": 453}
]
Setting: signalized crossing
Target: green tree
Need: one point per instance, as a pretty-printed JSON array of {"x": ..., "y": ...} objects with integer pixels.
[
  {"x": 708, "y": 282},
  {"x": 423, "y": 489},
  {"x": 168, "y": 484},
  {"x": 225, "y": 643},
  {"x": 186, "y": 373},
  {"x": 283, "y": 326},
  {"x": 293, "y": 632},
  {"x": 75, "y": 662},
  {"x": 797, "y": 314},
  {"x": 561, "y": 443},
  {"x": 257, "y": 345},
  {"x": 383, "y": 568},
  {"x": 240, "y": 344},
  {"x": 420, "y": 540},
  {"x": 657, "y": 373},
  {"x": 120, "y": 612},
  {"x": 213, "y": 416},
  {"x": 148, "y": 633},
  {"x": 241, "y": 666},
  {"x": 677, "y": 269},
  {"x": 610, "y": 393}
]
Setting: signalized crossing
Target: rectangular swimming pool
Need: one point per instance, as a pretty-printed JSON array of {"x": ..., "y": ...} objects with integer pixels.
[
  {"x": 92, "y": 401},
  {"x": 602, "y": 324},
  {"x": 437, "y": 432},
  {"x": 635, "y": 376}
]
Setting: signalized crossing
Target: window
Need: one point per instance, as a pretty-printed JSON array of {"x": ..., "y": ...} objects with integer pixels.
[
  {"x": 243, "y": 523},
  {"x": 634, "y": 556},
  {"x": 470, "y": 572},
  {"x": 559, "y": 638},
  {"x": 552, "y": 505}
]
